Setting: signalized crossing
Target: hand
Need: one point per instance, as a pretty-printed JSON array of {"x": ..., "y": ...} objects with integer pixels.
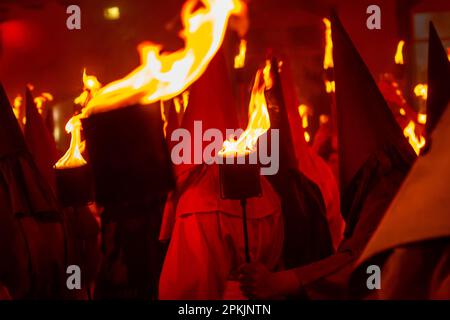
[{"x": 257, "y": 282}]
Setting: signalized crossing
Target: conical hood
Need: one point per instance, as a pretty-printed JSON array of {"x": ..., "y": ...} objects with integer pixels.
[
  {"x": 11, "y": 138},
  {"x": 365, "y": 122},
  {"x": 438, "y": 80},
  {"x": 211, "y": 99},
  {"x": 420, "y": 211},
  {"x": 39, "y": 141}
]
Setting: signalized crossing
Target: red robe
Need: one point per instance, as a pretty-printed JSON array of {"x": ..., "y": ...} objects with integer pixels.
[{"x": 374, "y": 187}]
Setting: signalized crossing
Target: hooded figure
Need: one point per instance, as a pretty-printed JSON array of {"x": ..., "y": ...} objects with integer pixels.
[
  {"x": 309, "y": 162},
  {"x": 39, "y": 140},
  {"x": 206, "y": 234},
  {"x": 374, "y": 159},
  {"x": 32, "y": 240},
  {"x": 411, "y": 244},
  {"x": 307, "y": 234}
]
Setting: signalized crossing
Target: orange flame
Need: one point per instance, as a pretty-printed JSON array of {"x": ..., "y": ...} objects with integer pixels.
[
  {"x": 422, "y": 118},
  {"x": 421, "y": 90},
  {"x": 399, "y": 53},
  {"x": 417, "y": 142},
  {"x": 41, "y": 99},
  {"x": 304, "y": 111},
  {"x": 162, "y": 76},
  {"x": 328, "y": 57},
  {"x": 73, "y": 157},
  {"x": 258, "y": 123},
  {"x": 330, "y": 86},
  {"x": 239, "y": 59},
  {"x": 17, "y": 104},
  {"x": 91, "y": 85}
]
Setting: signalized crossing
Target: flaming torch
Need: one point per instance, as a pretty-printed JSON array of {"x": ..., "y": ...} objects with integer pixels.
[
  {"x": 73, "y": 174},
  {"x": 122, "y": 122},
  {"x": 239, "y": 170},
  {"x": 399, "y": 60},
  {"x": 328, "y": 63}
]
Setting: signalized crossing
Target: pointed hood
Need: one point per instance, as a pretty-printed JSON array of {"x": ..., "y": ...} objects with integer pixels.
[
  {"x": 365, "y": 122},
  {"x": 39, "y": 141},
  {"x": 420, "y": 211},
  {"x": 11, "y": 138},
  {"x": 198, "y": 190},
  {"x": 438, "y": 80},
  {"x": 211, "y": 99},
  {"x": 309, "y": 163}
]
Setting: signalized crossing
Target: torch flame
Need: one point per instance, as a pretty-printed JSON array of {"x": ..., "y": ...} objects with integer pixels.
[
  {"x": 421, "y": 90},
  {"x": 73, "y": 158},
  {"x": 41, "y": 99},
  {"x": 304, "y": 111},
  {"x": 239, "y": 60},
  {"x": 91, "y": 85},
  {"x": 399, "y": 53},
  {"x": 422, "y": 118},
  {"x": 328, "y": 57},
  {"x": 417, "y": 142},
  {"x": 162, "y": 76},
  {"x": 258, "y": 123},
  {"x": 17, "y": 104}
]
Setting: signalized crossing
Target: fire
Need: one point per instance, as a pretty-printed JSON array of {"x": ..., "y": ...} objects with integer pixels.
[
  {"x": 17, "y": 104},
  {"x": 258, "y": 123},
  {"x": 239, "y": 59},
  {"x": 328, "y": 57},
  {"x": 399, "y": 53},
  {"x": 417, "y": 142},
  {"x": 330, "y": 86},
  {"x": 304, "y": 111},
  {"x": 91, "y": 85},
  {"x": 162, "y": 76},
  {"x": 41, "y": 99},
  {"x": 422, "y": 118},
  {"x": 267, "y": 76},
  {"x": 421, "y": 90},
  {"x": 73, "y": 157}
]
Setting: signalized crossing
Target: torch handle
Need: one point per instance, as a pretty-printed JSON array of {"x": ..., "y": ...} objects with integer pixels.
[{"x": 244, "y": 223}]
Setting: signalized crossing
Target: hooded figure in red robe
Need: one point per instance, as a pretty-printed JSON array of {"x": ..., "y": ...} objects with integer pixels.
[
  {"x": 307, "y": 234},
  {"x": 32, "y": 251},
  {"x": 39, "y": 140},
  {"x": 412, "y": 243},
  {"x": 206, "y": 233},
  {"x": 374, "y": 159},
  {"x": 309, "y": 162}
]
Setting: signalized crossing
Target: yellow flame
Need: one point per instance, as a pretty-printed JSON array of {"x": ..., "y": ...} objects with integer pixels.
[
  {"x": 258, "y": 123},
  {"x": 91, "y": 85},
  {"x": 402, "y": 112},
  {"x": 304, "y": 112},
  {"x": 41, "y": 100},
  {"x": 162, "y": 76},
  {"x": 417, "y": 142},
  {"x": 328, "y": 57},
  {"x": 239, "y": 59},
  {"x": 73, "y": 157},
  {"x": 267, "y": 75},
  {"x": 307, "y": 136},
  {"x": 399, "y": 53},
  {"x": 422, "y": 118},
  {"x": 330, "y": 86},
  {"x": 17, "y": 104},
  {"x": 421, "y": 90}
]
